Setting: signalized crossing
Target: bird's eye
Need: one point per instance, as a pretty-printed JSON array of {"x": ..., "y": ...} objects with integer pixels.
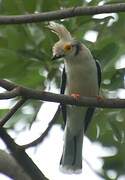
[{"x": 67, "y": 47}]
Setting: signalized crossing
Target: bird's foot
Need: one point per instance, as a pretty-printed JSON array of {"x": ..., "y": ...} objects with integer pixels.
[
  {"x": 76, "y": 95},
  {"x": 99, "y": 98}
]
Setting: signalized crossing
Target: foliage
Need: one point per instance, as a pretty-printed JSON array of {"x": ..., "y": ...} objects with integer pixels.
[{"x": 25, "y": 53}]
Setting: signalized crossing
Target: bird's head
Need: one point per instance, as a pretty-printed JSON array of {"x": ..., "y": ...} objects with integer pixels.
[{"x": 66, "y": 47}]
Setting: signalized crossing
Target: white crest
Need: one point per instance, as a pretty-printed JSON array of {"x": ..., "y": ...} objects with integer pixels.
[{"x": 60, "y": 31}]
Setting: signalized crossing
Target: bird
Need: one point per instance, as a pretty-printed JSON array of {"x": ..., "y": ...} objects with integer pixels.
[{"x": 81, "y": 77}]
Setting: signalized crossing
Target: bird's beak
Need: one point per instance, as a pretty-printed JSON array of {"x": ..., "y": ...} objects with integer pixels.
[{"x": 57, "y": 57}]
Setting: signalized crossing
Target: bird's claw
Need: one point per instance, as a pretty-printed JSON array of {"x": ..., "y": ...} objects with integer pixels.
[
  {"x": 75, "y": 95},
  {"x": 99, "y": 98}
]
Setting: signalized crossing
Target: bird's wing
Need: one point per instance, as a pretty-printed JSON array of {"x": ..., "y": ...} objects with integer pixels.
[
  {"x": 99, "y": 72},
  {"x": 63, "y": 81},
  {"x": 90, "y": 111},
  {"x": 62, "y": 91}
]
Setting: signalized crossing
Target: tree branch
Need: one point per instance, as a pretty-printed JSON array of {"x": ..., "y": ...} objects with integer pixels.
[
  {"x": 10, "y": 167},
  {"x": 11, "y": 94},
  {"x": 29, "y": 93},
  {"x": 7, "y": 85},
  {"x": 22, "y": 158},
  {"x": 12, "y": 112},
  {"x": 62, "y": 14}
]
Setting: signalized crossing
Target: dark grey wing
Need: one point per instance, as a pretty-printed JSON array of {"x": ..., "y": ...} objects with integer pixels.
[
  {"x": 88, "y": 118},
  {"x": 98, "y": 66},
  {"x": 63, "y": 82},
  {"x": 90, "y": 111},
  {"x": 62, "y": 91}
]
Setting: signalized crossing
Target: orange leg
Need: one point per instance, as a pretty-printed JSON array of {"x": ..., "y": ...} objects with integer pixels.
[{"x": 77, "y": 96}]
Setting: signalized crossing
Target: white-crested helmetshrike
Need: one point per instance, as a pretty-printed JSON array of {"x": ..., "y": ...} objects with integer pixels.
[{"x": 81, "y": 77}]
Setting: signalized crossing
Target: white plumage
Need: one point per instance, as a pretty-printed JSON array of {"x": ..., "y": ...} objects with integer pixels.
[{"x": 82, "y": 78}]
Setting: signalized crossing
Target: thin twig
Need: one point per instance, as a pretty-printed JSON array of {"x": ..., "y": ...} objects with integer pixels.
[
  {"x": 12, "y": 112},
  {"x": 45, "y": 133},
  {"x": 96, "y": 172},
  {"x": 62, "y": 14},
  {"x": 8, "y": 85},
  {"x": 9, "y": 95}
]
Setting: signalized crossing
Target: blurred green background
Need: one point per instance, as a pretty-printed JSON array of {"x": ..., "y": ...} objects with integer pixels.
[{"x": 25, "y": 58}]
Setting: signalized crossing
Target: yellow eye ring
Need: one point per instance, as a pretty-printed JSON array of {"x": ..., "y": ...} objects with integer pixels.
[{"x": 67, "y": 47}]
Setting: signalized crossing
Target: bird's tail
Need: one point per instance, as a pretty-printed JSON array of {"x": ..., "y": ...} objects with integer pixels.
[{"x": 71, "y": 161}]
